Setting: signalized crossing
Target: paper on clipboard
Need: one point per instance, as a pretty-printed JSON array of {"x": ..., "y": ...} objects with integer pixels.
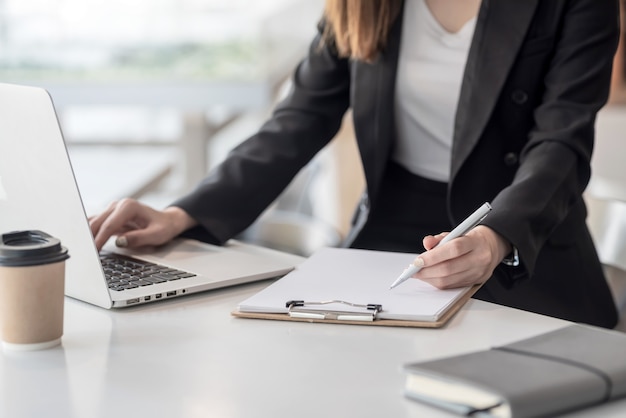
[{"x": 357, "y": 277}]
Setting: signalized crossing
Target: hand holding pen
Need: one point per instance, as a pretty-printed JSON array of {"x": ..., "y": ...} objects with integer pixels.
[{"x": 463, "y": 228}]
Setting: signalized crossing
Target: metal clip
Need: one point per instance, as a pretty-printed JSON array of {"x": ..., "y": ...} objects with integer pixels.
[{"x": 296, "y": 309}]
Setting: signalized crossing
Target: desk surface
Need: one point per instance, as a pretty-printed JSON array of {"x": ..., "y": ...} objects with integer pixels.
[{"x": 189, "y": 358}]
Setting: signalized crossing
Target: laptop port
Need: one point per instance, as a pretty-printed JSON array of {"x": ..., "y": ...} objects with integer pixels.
[
  {"x": 172, "y": 293},
  {"x": 158, "y": 296},
  {"x": 132, "y": 301},
  {"x": 147, "y": 298}
]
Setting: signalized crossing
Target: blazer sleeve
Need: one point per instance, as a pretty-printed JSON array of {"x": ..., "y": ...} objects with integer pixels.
[
  {"x": 555, "y": 162},
  {"x": 254, "y": 173}
]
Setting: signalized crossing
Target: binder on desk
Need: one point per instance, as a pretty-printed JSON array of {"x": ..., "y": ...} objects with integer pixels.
[{"x": 351, "y": 286}]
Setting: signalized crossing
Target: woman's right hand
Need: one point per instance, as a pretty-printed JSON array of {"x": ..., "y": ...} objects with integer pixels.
[{"x": 137, "y": 225}]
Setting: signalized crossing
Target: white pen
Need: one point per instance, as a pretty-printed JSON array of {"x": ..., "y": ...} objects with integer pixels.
[{"x": 462, "y": 229}]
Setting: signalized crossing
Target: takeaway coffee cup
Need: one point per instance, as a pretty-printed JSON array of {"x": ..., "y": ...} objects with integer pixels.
[{"x": 32, "y": 285}]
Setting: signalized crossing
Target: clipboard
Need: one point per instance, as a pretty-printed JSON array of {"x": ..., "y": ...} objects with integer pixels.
[{"x": 351, "y": 286}]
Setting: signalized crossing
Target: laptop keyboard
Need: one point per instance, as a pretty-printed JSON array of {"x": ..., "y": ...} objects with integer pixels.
[{"x": 124, "y": 272}]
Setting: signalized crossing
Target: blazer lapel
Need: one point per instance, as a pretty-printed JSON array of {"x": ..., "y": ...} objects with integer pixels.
[{"x": 500, "y": 30}]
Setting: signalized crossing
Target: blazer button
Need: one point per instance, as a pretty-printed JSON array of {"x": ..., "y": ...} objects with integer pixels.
[
  {"x": 519, "y": 96},
  {"x": 510, "y": 159}
]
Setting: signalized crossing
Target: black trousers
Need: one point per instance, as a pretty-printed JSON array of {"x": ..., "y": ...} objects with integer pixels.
[{"x": 408, "y": 208}]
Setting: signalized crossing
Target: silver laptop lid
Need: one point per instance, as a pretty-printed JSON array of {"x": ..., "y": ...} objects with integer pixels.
[{"x": 38, "y": 189}]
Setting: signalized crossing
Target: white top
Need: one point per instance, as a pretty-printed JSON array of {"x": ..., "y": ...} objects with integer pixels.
[{"x": 430, "y": 71}]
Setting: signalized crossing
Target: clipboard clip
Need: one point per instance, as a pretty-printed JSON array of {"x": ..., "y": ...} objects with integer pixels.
[{"x": 297, "y": 309}]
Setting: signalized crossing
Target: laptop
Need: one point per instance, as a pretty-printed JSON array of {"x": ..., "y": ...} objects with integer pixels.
[{"x": 38, "y": 191}]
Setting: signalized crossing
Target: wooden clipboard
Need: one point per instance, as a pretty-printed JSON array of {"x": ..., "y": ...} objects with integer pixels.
[{"x": 443, "y": 320}]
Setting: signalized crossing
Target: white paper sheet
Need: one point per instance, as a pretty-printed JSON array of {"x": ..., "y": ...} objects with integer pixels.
[{"x": 356, "y": 276}]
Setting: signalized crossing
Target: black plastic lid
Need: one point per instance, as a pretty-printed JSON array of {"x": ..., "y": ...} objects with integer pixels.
[{"x": 30, "y": 248}]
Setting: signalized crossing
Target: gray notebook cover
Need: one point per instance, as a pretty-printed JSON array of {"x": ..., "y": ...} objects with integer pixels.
[{"x": 567, "y": 369}]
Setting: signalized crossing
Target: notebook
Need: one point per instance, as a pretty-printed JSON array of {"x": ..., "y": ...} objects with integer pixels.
[
  {"x": 556, "y": 372},
  {"x": 38, "y": 191},
  {"x": 345, "y": 285}
]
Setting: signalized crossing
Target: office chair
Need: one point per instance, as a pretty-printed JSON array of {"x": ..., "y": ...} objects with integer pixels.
[{"x": 607, "y": 223}]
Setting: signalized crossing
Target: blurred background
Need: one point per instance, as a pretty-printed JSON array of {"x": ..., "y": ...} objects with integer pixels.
[{"x": 152, "y": 94}]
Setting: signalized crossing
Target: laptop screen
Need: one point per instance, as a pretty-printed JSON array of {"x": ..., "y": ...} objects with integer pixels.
[{"x": 38, "y": 189}]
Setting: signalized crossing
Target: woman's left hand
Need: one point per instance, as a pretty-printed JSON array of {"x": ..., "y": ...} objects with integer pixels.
[{"x": 463, "y": 261}]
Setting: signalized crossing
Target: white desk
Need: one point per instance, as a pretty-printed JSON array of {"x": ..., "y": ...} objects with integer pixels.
[{"x": 189, "y": 358}]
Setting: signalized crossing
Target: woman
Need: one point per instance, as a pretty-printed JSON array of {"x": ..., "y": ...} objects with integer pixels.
[{"x": 455, "y": 102}]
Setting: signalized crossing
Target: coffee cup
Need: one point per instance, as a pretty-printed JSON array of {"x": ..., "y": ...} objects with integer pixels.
[{"x": 32, "y": 287}]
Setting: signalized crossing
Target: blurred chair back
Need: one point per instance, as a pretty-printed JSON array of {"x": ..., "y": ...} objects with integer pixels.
[{"x": 607, "y": 223}]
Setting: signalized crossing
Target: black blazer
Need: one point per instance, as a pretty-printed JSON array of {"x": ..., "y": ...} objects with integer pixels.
[{"x": 536, "y": 75}]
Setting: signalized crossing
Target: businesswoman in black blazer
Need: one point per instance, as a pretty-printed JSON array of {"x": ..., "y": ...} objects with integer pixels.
[{"x": 455, "y": 102}]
